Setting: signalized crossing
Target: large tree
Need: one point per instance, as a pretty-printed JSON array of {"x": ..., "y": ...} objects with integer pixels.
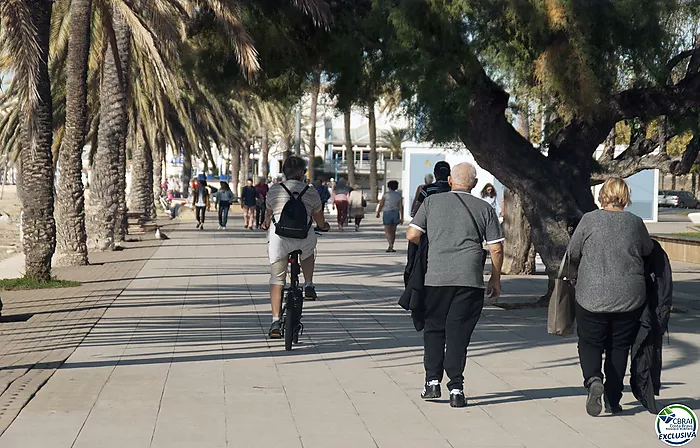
[
  {"x": 70, "y": 201},
  {"x": 25, "y": 26},
  {"x": 596, "y": 63}
]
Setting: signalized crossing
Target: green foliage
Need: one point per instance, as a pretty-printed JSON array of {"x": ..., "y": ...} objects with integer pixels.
[{"x": 24, "y": 283}]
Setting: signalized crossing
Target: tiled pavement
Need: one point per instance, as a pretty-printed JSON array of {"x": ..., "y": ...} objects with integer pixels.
[{"x": 180, "y": 359}]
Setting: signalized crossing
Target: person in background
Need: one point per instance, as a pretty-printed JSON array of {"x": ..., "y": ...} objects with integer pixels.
[
  {"x": 249, "y": 199},
  {"x": 323, "y": 192},
  {"x": 488, "y": 194},
  {"x": 608, "y": 247},
  {"x": 456, "y": 225},
  {"x": 225, "y": 198},
  {"x": 441, "y": 185},
  {"x": 429, "y": 179},
  {"x": 200, "y": 201},
  {"x": 341, "y": 194},
  {"x": 357, "y": 204},
  {"x": 392, "y": 206},
  {"x": 260, "y": 206}
]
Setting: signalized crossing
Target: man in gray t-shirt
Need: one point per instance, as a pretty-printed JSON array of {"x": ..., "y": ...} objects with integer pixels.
[{"x": 454, "y": 281}]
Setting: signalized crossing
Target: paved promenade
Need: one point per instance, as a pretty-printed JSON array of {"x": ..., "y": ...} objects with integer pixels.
[{"x": 181, "y": 359}]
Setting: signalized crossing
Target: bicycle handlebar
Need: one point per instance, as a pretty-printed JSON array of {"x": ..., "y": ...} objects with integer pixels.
[{"x": 325, "y": 229}]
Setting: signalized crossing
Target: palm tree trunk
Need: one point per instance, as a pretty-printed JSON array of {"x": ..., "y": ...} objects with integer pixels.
[
  {"x": 265, "y": 153},
  {"x": 349, "y": 153},
  {"x": 245, "y": 162},
  {"x": 374, "y": 193},
  {"x": 123, "y": 34},
  {"x": 104, "y": 217},
  {"x": 186, "y": 170},
  {"x": 315, "y": 89},
  {"x": 70, "y": 201},
  {"x": 141, "y": 195},
  {"x": 235, "y": 168},
  {"x": 36, "y": 159},
  {"x": 158, "y": 159}
]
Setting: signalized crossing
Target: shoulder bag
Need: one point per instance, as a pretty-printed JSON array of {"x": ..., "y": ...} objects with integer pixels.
[{"x": 562, "y": 303}]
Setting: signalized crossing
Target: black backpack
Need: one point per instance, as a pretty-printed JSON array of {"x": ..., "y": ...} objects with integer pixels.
[{"x": 294, "y": 221}]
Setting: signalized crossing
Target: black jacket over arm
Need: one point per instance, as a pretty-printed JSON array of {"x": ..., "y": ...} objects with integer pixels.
[
  {"x": 646, "y": 352},
  {"x": 413, "y": 298}
]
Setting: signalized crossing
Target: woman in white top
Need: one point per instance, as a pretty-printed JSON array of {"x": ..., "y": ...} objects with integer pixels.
[
  {"x": 392, "y": 206},
  {"x": 488, "y": 194}
]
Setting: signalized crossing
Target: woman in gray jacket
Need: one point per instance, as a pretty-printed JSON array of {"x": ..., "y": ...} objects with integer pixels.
[{"x": 608, "y": 246}]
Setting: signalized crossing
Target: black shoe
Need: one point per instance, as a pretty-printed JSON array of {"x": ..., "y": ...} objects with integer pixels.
[
  {"x": 275, "y": 330},
  {"x": 457, "y": 398},
  {"x": 613, "y": 409},
  {"x": 431, "y": 390},
  {"x": 594, "y": 405},
  {"x": 310, "y": 293}
]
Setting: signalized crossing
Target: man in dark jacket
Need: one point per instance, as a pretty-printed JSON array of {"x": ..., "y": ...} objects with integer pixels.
[{"x": 645, "y": 369}]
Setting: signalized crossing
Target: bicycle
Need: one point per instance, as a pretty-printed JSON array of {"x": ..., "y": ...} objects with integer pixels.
[{"x": 293, "y": 302}]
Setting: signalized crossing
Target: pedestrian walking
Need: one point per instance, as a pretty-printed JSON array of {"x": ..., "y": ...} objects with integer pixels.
[
  {"x": 323, "y": 192},
  {"x": 357, "y": 204},
  {"x": 225, "y": 198},
  {"x": 200, "y": 200},
  {"x": 341, "y": 193},
  {"x": 456, "y": 225},
  {"x": 392, "y": 206},
  {"x": 489, "y": 194},
  {"x": 441, "y": 185},
  {"x": 260, "y": 207},
  {"x": 249, "y": 200},
  {"x": 608, "y": 247},
  {"x": 429, "y": 179}
]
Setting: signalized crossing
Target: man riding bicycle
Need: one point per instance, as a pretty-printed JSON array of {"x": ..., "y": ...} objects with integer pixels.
[{"x": 279, "y": 247}]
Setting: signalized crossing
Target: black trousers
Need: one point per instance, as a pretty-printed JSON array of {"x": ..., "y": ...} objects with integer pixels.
[
  {"x": 223, "y": 213},
  {"x": 450, "y": 318},
  {"x": 201, "y": 211},
  {"x": 609, "y": 333},
  {"x": 260, "y": 213}
]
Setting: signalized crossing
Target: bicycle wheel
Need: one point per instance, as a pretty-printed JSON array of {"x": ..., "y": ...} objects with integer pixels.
[{"x": 290, "y": 322}]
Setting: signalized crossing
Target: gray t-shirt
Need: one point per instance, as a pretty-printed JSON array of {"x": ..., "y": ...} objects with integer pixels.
[
  {"x": 455, "y": 251},
  {"x": 392, "y": 201},
  {"x": 277, "y": 197},
  {"x": 608, "y": 248}
]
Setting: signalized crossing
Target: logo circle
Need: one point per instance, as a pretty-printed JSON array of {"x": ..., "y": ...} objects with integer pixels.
[{"x": 676, "y": 425}]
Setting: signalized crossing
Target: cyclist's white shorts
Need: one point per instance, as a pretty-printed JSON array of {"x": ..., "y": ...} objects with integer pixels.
[{"x": 279, "y": 248}]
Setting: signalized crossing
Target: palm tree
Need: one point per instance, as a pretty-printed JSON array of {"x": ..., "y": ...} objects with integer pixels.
[
  {"x": 349, "y": 153},
  {"x": 315, "y": 89},
  {"x": 70, "y": 202},
  {"x": 373, "y": 178},
  {"x": 393, "y": 139},
  {"x": 25, "y": 27},
  {"x": 107, "y": 213}
]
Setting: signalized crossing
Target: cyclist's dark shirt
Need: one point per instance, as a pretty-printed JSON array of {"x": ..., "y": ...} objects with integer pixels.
[{"x": 440, "y": 186}]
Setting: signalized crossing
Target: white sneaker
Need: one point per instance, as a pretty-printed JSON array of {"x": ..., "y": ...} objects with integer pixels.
[
  {"x": 223, "y": 228},
  {"x": 220, "y": 227}
]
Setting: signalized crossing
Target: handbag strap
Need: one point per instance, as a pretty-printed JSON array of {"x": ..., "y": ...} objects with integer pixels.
[
  {"x": 476, "y": 226},
  {"x": 565, "y": 263}
]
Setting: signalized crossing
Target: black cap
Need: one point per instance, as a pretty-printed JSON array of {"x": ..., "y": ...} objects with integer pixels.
[{"x": 442, "y": 170}]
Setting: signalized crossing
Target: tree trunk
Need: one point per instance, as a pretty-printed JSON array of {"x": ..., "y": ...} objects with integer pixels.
[
  {"x": 235, "y": 169},
  {"x": 315, "y": 89},
  {"x": 123, "y": 36},
  {"x": 265, "y": 153},
  {"x": 186, "y": 171},
  {"x": 349, "y": 153},
  {"x": 158, "y": 164},
  {"x": 71, "y": 236},
  {"x": 373, "y": 181},
  {"x": 554, "y": 190},
  {"x": 245, "y": 163},
  {"x": 106, "y": 184},
  {"x": 141, "y": 194},
  {"x": 516, "y": 228},
  {"x": 673, "y": 182},
  {"x": 36, "y": 158}
]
